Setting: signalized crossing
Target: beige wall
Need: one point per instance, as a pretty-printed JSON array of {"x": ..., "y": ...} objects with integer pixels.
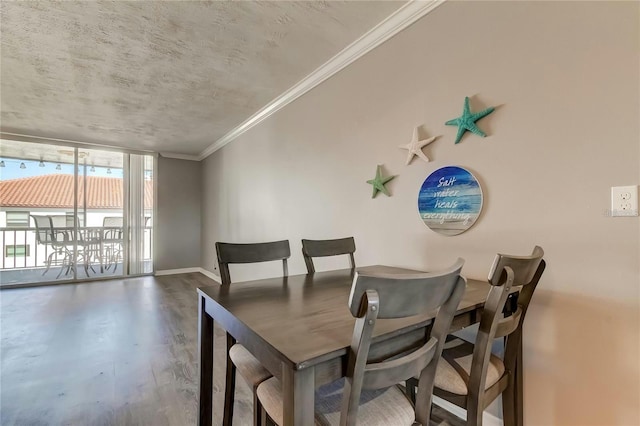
[
  {"x": 565, "y": 80},
  {"x": 179, "y": 207}
]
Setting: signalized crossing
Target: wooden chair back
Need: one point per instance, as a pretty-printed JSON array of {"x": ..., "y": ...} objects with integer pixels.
[
  {"x": 507, "y": 272},
  {"x": 322, "y": 248},
  {"x": 383, "y": 296},
  {"x": 229, "y": 253}
]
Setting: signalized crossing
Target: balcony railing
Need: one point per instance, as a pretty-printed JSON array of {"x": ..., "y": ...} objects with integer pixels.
[{"x": 22, "y": 249}]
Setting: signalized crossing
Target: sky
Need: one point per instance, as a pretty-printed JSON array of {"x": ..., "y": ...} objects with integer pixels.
[{"x": 12, "y": 170}]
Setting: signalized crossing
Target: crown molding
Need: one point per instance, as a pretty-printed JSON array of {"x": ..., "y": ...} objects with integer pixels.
[
  {"x": 393, "y": 24},
  {"x": 180, "y": 156}
]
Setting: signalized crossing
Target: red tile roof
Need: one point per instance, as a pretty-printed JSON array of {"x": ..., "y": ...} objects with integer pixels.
[{"x": 56, "y": 191}]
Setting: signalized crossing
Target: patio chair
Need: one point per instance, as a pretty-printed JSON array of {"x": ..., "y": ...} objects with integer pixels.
[
  {"x": 47, "y": 236},
  {"x": 112, "y": 240},
  {"x": 80, "y": 238}
]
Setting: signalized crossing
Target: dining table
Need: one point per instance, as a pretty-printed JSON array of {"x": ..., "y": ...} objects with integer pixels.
[
  {"x": 95, "y": 245},
  {"x": 300, "y": 328}
]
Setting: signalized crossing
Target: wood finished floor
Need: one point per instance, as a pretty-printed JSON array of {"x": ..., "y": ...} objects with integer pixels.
[{"x": 121, "y": 352}]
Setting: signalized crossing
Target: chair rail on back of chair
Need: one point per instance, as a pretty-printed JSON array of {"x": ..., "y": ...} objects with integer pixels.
[
  {"x": 229, "y": 253},
  {"x": 323, "y": 248},
  {"x": 507, "y": 272}
]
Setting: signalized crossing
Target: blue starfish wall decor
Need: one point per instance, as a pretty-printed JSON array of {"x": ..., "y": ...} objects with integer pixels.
[
  {"x": 467, "y": 121},
  {"x": 379, "y": 183}
]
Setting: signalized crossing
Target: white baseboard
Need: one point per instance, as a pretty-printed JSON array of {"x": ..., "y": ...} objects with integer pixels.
[
  {"x": 203, "y": 271},
  {"x": 177, "y": 271},
  {"x": 210, "y": 274},
  {"x": 487, "y": 419}
]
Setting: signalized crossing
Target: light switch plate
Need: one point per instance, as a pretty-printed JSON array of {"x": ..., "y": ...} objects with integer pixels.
[{"x": 624, "y": 200}]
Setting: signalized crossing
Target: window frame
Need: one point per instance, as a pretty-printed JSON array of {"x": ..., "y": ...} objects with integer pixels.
[
  {"x": 26, "y": 250},
  {"x": 22, "y": 222}
]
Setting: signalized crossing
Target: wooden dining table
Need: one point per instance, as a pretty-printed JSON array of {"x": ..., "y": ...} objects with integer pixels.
[{"x": 299, "y": 327}]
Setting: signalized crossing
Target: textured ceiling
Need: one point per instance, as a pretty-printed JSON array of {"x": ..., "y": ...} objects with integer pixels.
[{"x": 162, "y": 76}]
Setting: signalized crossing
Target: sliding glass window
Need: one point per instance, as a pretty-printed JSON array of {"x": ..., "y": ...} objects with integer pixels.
[{"x": 70, "y": 213}]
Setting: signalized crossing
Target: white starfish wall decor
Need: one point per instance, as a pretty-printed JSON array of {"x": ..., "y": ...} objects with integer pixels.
[{"x": 415, "y": 146}]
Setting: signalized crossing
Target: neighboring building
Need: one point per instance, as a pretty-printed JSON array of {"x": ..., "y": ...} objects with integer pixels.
[{"x": 52, "y": 195}]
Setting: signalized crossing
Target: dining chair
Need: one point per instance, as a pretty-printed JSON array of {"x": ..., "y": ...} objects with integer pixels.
[
  {"x": 238, "y": 357},
  {"x": 322, "y": 248},
  {"x": 369, "y": 394},
  {"x": 469, "y": 375}
]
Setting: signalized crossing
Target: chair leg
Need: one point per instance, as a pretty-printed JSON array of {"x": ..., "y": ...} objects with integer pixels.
[
  {"x": 509, "y": 403},
  {"x": 474, "y": 413},
  {"x": 265, "y": 419},
  {"x": 66, "y": 261},
  {"x": 412, "y": 384},
  {"x": 230, "y": 385},
  {"x": 117, "y": 254},
  {"x": 511, "y": 410},
  {"x": 519, "y": 383},
  {"x": 68, "y": 271},
  {"x": 100, "y": 258},
  {"x": 48, "y": 262},
  {"x": 257, "y": 409},
  {"x": 87, "y": 261}
]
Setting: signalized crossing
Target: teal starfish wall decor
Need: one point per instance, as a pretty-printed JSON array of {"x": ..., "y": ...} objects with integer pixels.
[
  {"x": 467, "y": 121},
  {"x": 379, "y": 183}
]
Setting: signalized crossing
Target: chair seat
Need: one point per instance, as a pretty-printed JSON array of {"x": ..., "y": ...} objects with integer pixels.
[
  {"x": 382, "y": 407},
  {"x": 248, "y": 366},
  {"x": 453, "y": 370}
]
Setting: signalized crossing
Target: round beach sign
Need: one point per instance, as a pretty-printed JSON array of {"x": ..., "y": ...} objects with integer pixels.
[{"x": 450, "y": 200}]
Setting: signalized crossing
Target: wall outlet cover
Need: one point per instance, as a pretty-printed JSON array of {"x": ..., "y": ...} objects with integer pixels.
[{"x": 624, "y": 200}]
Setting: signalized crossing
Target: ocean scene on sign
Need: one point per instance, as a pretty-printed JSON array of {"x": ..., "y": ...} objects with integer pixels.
[{"x": 450, "y": 200}]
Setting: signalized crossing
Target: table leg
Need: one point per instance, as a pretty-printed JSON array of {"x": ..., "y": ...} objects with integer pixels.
[
  {"x": 519, "y": 385},
  {"x": 205, "y": 350},
  {"x": 229, "y": 385},
  {"x": 100, "y": 256},
  {"x": 298, "y": 388}
]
